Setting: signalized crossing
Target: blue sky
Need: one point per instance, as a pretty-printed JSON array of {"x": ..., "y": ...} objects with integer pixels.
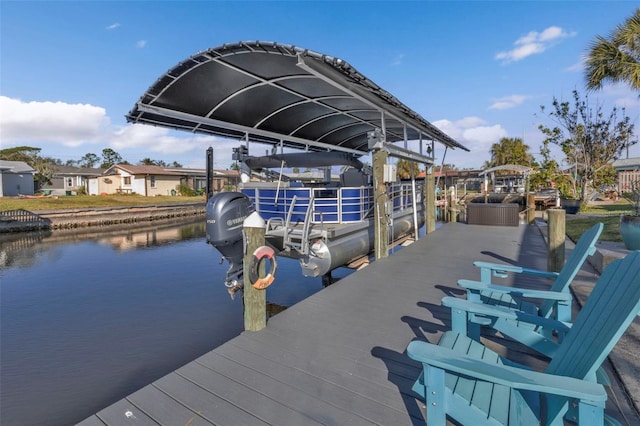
[{"x": 70, "y": 71}]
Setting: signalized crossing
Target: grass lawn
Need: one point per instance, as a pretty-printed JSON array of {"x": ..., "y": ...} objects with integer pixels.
[
  {"x": 611, "y": 232},
  {"x": 90, "y": 201},
  {"x": 608, "y": 214}
]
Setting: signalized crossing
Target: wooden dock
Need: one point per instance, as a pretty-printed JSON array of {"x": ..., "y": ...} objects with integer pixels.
[{"x": 338, "y": 357}]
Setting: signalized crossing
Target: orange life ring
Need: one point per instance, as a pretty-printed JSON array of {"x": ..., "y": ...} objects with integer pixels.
[{"x": 254, "y": 276}]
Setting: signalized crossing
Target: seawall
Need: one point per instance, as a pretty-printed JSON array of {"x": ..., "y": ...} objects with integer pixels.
[{"x": 21, "y": 220}]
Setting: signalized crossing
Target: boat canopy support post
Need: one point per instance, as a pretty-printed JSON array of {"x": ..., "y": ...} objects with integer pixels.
[
  {"x": 430, "y": 199},
  {"x": 255, "y": 301},
  {"x": 430, "y": 191},
  {"x": 381, "y": 228},
  {"x": 209, "y": 173}
]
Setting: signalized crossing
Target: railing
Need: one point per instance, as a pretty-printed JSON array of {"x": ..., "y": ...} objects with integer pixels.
[{"x": 327, "y": 205}]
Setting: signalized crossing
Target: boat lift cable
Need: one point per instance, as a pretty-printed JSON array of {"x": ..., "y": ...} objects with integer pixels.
[
  {"x": 279, "y": 180},
  {"x": 441, "y": 166}
]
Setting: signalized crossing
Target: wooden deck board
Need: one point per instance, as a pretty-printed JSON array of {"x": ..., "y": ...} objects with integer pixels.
[
  {"x": 338, "y": 357},
  {"x": 205, "y": 402},
  {"x": 158, "y": 405}
]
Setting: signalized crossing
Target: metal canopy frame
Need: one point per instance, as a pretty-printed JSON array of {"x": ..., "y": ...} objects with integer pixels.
[{"x": 286, "y": 96}]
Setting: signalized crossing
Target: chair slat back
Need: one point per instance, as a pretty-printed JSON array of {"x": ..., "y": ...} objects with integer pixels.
[
  {"x": 610, "y": 308},
  {"x": 584, "y": 248}
]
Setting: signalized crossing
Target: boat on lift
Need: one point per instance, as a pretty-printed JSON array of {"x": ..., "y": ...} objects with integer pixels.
[
  {"x": 323, "y": 224},
  {"x": 289, "y": 97}
]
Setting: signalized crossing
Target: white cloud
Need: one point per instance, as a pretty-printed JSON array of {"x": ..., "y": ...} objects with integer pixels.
[
  {"x": 158, "y": 139},
  {"x": 476, "y": 135},
  {"x": 43, "y": 124},
  {"x": 577, "y": 67},
  {"x": 468, "y": 122},
  {"x": 141, "y": 44},
  {"x": 113, "y": 26},
  {"x": 66, "y": 124},
  {"x": 507, "y": 102},
  {"x": 533, "y": 43}
]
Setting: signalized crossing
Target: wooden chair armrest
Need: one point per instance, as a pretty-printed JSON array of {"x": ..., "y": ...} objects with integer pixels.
[
  {"x": 501, "y": 270},
  {"x": 520, "y": 292},
  {"x": 503, "y": 312},
  {"x": 513, "y": 377}
]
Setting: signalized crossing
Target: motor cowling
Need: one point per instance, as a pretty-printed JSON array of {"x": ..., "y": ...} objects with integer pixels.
[{"x": 225, "y": 215}]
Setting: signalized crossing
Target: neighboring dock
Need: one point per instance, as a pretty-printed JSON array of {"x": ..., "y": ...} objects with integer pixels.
[{"x": 338, "y": 357}]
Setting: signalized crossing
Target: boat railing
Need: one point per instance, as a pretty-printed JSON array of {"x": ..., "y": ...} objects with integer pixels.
[{"x": 326, "y": 205}]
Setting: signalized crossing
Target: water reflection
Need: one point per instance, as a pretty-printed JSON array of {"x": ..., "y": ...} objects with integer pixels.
[{"x": 89, "y": 316}]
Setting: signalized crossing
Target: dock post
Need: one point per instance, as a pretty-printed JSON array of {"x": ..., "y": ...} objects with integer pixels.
[
  {"x": 255, "y": 301},
  {"x": 380, "y": 196},
  {"x": 557, "y": 235},
  {"x": 531, "y": 208},
  {"x": 453, "y": 205},
  {"x": 430, "y": 199}
]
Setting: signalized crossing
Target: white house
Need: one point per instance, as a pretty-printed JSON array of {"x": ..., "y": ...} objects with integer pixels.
[{"x": 16, "y": 178}]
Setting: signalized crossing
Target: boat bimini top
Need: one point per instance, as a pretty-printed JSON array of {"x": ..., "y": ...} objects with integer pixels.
[{"x": 286, "y": 96}]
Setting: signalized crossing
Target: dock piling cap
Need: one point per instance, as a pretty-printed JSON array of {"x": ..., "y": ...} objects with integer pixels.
[{"x": 254, "y": 220}]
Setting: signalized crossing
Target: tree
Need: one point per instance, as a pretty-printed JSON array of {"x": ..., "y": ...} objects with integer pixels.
[
  {"x": 547, "y": 169},
  {"x": 617, "y": 57},
  {"x": 88, "y": 160},
  {"x": 20, "y": 153},
  {"x": 147, "y": 162},
  {"x": 404, "y": 168},
  {"x": 509, "y": 151},
  {"x": 110, "y": 158},
  {"x": 589, "y": 139}
]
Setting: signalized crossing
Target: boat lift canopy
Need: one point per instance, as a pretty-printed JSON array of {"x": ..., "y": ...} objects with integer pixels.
[{"x": 286, "y": 96}]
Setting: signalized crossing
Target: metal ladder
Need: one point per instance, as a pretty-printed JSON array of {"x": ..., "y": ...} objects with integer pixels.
[{"x": 298, "y": 239}]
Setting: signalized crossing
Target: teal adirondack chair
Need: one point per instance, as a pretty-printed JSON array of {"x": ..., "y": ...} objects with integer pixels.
[
  {"x": 556, "y": 301},
  {"x": 473, "y": 385}
]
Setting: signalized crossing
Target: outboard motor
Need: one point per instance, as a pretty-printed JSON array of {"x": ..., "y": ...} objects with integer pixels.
[{"x": 226, "y": 212}]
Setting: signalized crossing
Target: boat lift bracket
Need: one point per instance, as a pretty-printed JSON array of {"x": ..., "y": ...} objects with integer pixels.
[{"x": 376, "y": 142}]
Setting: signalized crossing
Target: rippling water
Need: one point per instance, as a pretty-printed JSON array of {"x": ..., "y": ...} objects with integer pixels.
[{"x": 88, "y": 318}]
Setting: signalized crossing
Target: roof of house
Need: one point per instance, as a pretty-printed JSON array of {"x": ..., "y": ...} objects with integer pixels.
[
  {"x": 627, "y": 163},
  {"x": 77, "y": 171},
  {"x": 168, "y": 171},
  {"x": 15, "y": 167}
]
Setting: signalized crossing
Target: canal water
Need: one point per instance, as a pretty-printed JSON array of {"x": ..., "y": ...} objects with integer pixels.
[{"x": 88, "y": 317}]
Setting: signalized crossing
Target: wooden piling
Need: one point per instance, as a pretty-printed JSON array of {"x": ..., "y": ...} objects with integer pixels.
[
  {"x": 531, "y": 208},
  {"x": 430, "y": 200},
  {"x": 557, "y": 235},
  {"x": 453, "y": 205},
  {"x": 255, "y": 301},
  {"x": 380, "y": 196}
]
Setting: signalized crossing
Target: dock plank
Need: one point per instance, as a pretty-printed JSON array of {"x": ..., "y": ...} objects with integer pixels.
[
  {"x": 338, "y": 357},
  {"x": 296, "y": 398},
  {"x": 203, "y": 401},
  {"x": 164, "y": 409},
  {"x": 318, "y": 387},
  {"x": 264, "y": 407}
]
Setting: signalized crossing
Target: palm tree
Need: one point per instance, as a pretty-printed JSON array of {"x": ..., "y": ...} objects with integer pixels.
[
  {"x": 509, "y": 151},
  {"x": 616, "y": 58}
]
